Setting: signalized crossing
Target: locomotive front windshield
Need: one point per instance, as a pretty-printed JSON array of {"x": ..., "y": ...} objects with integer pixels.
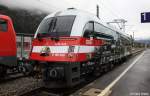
[{"x": 56, "y": 26}]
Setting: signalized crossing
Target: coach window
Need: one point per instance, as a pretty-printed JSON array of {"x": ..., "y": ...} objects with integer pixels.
[
  {"x": 88, "y": 29},
  {"x": 3, "y": 25}
]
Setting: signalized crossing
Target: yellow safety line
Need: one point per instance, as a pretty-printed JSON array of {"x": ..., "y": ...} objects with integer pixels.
[{"x": 107, "y": 89}]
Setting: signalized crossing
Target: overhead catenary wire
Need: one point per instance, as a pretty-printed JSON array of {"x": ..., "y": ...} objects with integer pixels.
[{"x": 111, "y": 11}]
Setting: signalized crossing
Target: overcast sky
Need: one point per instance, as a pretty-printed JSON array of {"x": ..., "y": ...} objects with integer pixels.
[{"x": 109, "y": 9}]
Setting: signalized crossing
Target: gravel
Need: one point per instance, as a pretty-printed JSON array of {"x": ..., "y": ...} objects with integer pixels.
[{"x": 19, "y": 86}]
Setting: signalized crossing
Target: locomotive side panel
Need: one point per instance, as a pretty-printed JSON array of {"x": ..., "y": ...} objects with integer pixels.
[{"x": 7, "y": 42}]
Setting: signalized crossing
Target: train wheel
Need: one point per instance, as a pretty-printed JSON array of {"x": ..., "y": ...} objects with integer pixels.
[
  {"x": 97, "y": 68},
  {"x": 26, "y": 69},
  {"x": 111, "y": 65},
  {"x": 3, "y": 71},
  {"x": 97, "y": 71},
  {"x": 106, "y": 69},
  {"x": 125, "y": 58}
]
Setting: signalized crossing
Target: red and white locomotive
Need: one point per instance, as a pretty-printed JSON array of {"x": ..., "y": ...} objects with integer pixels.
[{"x": 72, "y": 43}]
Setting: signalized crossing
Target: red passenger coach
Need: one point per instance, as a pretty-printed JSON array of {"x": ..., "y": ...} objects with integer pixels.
[{"x": 7, "y": 43}]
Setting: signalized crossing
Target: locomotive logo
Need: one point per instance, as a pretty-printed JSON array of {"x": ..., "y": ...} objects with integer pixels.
[{"x": 45, "y": 51}]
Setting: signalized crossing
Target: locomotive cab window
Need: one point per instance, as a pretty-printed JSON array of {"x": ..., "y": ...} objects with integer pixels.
[
  {"x": 3, "y": 25},
  {"x": 88, "y": 29},
  {"x": 57, "y": 26}
]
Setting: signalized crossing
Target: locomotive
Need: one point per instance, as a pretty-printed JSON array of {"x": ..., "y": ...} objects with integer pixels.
[
  {"x": 72, "y": 43},
  {"x": 8, "y": 58},
  {"x": 8, "y": 50}
]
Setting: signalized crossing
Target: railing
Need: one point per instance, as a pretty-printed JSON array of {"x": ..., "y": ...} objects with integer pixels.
[{"x": 24, "y": 44}]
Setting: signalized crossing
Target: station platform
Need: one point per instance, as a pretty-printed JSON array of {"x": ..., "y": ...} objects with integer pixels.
[{"x": 134, "y": 82}]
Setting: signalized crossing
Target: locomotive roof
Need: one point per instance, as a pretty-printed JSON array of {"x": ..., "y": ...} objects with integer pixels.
[
  {"x": 4, "y": 17},
  {"x": 83, "y": 17},
  {"x": 79, "y": 13},
  {"x": 75, "y": 12}
]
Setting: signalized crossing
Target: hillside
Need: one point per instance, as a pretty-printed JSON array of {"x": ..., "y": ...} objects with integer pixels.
[
  {"x": 24, "y": 21},
  {"x": 146, "y": 41}
]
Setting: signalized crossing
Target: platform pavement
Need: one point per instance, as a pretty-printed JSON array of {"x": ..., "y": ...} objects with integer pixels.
[{"x": 136, "y": 82}]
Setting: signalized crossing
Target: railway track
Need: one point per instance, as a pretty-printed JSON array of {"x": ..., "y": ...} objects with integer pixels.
[
  {"x": 41, "y": 91},
  {"x": 11, "y": 76},
  {"x": 18, "y": 86}
]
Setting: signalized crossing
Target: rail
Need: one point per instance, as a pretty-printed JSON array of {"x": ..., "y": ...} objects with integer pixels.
[{"x": 137, "y": 51}]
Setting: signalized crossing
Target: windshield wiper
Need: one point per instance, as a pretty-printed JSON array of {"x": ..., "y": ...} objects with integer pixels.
[
  {"x": 52, "y": 29},
  {"x": 47, "y": 34},
  {"x": 51, "y": 25}
]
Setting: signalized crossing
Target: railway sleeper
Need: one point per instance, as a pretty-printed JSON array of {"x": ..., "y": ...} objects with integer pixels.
[{"x": 3, "y": 71}]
